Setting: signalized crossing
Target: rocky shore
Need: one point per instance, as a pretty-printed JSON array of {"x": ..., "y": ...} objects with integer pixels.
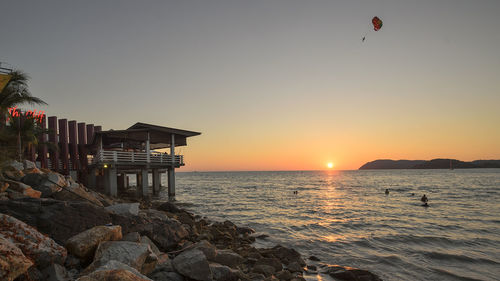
[{"x": 53, "y": 228}]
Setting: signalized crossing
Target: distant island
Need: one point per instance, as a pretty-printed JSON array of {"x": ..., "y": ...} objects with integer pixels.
[{"x": 429, "y": 164}]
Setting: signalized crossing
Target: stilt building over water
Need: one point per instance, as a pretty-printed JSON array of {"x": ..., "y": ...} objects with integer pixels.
[
  {"x": 116, "y": 153},
  {"x": 104, "y": 159}
]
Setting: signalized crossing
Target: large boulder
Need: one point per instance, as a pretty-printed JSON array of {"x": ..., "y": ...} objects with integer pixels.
[
  {"x": 193, "y": 264},
  {"x": 166, "y": 234},
  {"x": 46, "y": 183},
  {"x": 84, "y": 244},
  {"x": 147, "y": 241},
  {"x": 12, "y": 261},
  {"x": 60, "y": 220},
  {"x": 29, "y": 164},
  {"x": 350, "y": 274},
  {"x": 166, "y": 276},
  {"x": 136, "y": 255},
  {"x": 38, "y": 247},
  {"x": 15, "y": 165},
  {"x": 124, "y": 209},
  {"x": 76, "y": 192},
  {"x": 169, "y": 207},
  {"x": 223, "y": 273},
  {"x": 229, "y": 258},
  {"x": 55, "y": 272},
  {"x": 208, "y": 249},
  {"x": 274, "y": 262},
  {"x": 13, "y": 174},
  {"x": 285, "y": 255},
  {"x": 114, "y": 271},
  {"x": 24, "y": 189}
]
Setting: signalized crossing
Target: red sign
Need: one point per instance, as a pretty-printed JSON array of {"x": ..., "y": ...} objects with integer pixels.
[{"x": 38, "y": 116}]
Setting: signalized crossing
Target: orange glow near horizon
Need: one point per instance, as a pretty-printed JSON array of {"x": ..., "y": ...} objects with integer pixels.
[{"x": 329, "y": 165}]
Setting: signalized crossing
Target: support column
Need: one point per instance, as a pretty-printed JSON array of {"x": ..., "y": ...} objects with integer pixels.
[
  {"x": 171, "y": 182},
  {"x": 92, "y": 178},
  {"x": 142, "y": 183},
  {"x": 111, "y": 182},
  {"x": 171, "y": 170},
  {"x": 156, "y": 182}
]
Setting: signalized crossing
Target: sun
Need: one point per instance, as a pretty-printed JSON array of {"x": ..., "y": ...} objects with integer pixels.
[{"x": 329, "y": 165}]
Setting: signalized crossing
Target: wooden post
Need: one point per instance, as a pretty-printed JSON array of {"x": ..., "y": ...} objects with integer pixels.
[
  {"x": 90, "y": 133},
  {"x": 63, "y": 141},
  {"x": 73, "y": 146},
  {"x": 54, "y": 152},
  {"x": 82, "y": 153},
  {"x": 42, "y": 147}
]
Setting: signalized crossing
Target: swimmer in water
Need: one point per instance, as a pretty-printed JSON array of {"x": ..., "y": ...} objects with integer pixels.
[{"x": 424, "y": 200}]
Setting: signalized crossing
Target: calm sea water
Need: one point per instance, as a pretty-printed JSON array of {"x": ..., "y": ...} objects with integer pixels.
[{"x": 344, "y": 217}]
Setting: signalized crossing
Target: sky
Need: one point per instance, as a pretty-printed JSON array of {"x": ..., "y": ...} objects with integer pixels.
[{"x": 271, "y": 84}]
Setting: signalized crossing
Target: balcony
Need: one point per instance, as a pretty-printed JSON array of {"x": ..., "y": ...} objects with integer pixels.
[{"x": 136, "y": 158}]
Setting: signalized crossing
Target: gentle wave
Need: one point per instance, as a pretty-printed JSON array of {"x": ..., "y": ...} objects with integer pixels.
[{"x": 345, "y": 217}]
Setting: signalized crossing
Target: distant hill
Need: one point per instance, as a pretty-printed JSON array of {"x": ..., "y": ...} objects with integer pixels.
[{"x": 429, "y": 164}]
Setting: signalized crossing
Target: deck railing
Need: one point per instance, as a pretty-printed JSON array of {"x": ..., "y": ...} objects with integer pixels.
[{"x": 109, "y": 156}]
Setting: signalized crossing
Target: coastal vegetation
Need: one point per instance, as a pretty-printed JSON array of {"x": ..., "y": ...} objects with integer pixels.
[{"x": 18, "y": 133}]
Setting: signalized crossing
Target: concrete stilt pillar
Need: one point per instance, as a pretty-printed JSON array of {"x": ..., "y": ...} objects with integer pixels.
[
  {"x": 156, "y": 182},
  {"x": 111, "y": 187},
  {"x": 171, "y": 182},
  {"x": 92, "y": 178},
  {"x": 142, "y": 183}
]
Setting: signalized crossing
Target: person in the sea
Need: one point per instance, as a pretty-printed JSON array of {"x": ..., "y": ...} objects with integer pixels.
[
  {"x": 424, "y": 199},
  {"x": 386, "y": 191}
]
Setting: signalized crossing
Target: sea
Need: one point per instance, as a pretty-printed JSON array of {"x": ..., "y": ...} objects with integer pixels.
[{"x": 345, "y": 217}]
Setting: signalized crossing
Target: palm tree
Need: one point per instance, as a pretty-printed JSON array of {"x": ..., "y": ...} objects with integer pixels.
[{"x": 16, "y": 93}]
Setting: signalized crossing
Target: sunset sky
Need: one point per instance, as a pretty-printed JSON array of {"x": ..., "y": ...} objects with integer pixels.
[{"x": 271, "y": 84}]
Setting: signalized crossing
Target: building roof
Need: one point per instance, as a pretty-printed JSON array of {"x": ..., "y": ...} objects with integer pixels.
[{"x": 135, "y": 135}]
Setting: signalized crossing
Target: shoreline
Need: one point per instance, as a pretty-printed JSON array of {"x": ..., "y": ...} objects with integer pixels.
[{"x": 90, "y": 236}]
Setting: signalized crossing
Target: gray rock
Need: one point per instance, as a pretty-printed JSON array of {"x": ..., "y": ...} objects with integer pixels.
[
  {"x": 274, "y": 262},
  {"x": 147, "y": 241},
  {"x": 124, "y": 209},
  {"x": 267, "y": 270},
  {"x": 223, "y": 273},
  {"x": 294, "y": 267},
  {"x": 76, "y": 192},
  {"x": 284, "y": 275},
  {"x": 350, "y": 274},
  {"x": 132, "y": 254},
  {"x": 12, "y": 260},
  {"x": 48, "y": 184},
  {"x": 28, "y": 164},
  {"x": 113, "y": 266},
  {"x": 16, "y": 165},
  {"x": 60, "y": 220},
  {"x": 132, "y": 237},
  {"x": 166, "y": 276},
  {"x": 84, "y": 244},
  {"x": 23, "y": 189},
  {"x": 208, "y": 249},
  {"x": 193, "y": 264},
  {"x": 38, "y": 247},
  {"x": 229, "y": 258},
  {"x": 165, "y": 234},
  {"x": 55, "y": 272}
]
